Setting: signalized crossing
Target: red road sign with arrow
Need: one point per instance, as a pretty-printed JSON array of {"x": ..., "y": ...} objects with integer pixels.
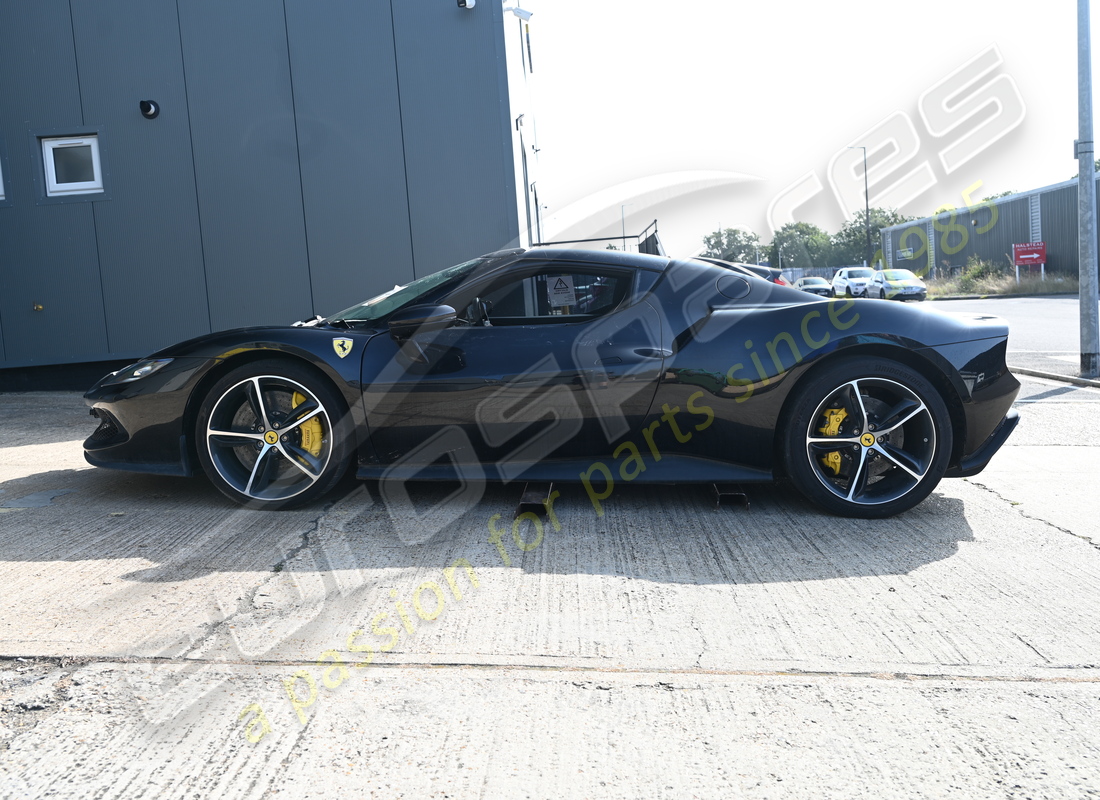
[{"x": 1032, "y": 253}]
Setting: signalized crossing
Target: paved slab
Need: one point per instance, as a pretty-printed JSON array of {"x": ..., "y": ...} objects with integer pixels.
[{"x": 665, "y": 649}]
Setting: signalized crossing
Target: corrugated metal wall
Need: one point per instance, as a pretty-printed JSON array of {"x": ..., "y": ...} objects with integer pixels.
[
  {"x": 993, "y": 242},
  {"x": 306, "y": 156},
  {"x": 344, "y": 59},
  {"x": 48, "y": 256},
  {"x": 147, "y": 234},
  {"x": 1059, "y": 229},
  {"x": 451, "y": 75},
  {"x": 246, "y": 161}
]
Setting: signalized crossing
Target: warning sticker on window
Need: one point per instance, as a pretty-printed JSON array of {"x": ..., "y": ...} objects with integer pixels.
[{"x": 561, "y": 290}]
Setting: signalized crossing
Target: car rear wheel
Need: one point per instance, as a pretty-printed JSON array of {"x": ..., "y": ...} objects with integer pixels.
[
  {"x": 271, "y": 435},
  {"x": 867, "y": 438}
]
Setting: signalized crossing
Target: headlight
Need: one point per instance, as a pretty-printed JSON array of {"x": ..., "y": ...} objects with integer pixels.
[{"x": 135, "y": 372}]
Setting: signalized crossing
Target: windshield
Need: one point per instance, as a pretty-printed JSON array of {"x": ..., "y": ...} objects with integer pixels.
[
  {"x": 386, "y": 303},
  {"x": 899, "y": 275},
  {"x": 814, "y": 281},
  {"x": 859, "y": 273}
]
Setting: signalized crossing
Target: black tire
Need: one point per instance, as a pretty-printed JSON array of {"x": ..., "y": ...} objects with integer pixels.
[
  {"x": 848, "y": 291},
  {"x": 902, "y": 461},
  {"x": 273, "y": 434},
  {"x": 881, "y": 294}
]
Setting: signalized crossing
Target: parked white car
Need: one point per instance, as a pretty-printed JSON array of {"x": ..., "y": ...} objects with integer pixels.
[{"x": 852, "y": 282}]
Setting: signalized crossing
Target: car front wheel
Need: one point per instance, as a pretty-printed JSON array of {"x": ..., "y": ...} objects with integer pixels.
[
  {"x": 867, "y": 438},
  {"x": 881, "y": 294},
  {"x": 271, "y": 435}
]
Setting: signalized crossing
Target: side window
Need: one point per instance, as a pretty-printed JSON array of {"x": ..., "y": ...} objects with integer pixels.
[{"x": 554, "y": 296}]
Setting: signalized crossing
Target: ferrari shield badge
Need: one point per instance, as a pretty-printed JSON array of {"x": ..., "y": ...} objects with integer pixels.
[{"x": 341, "y": 346}]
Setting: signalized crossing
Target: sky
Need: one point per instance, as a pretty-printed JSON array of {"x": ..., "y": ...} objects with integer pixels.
[{"x": 721, "y": 113}]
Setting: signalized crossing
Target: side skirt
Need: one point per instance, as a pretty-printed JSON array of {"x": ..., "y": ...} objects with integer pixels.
[{"x": 670, "y": 469}]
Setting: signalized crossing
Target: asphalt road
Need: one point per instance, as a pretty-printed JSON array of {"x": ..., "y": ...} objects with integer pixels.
[
  {"x": 1044, "y": 332},
  {"x": 666, "y": 649}
]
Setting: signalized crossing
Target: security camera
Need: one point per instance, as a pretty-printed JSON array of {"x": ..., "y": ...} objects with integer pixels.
[
  {"x": 522, "y": 13},
  {"x": 467, "y": 3},
  {"x": 149, "y": 109}
]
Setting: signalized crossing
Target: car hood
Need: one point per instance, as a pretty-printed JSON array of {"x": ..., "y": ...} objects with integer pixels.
[{"x": 220, "y": 344}]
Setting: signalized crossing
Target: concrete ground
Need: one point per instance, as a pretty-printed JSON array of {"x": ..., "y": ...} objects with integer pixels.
[{"x": 666, "y": 649}]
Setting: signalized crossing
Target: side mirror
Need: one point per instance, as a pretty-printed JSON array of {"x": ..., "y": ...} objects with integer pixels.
[
  {"x": 416, "y": 319},
  {"x": 420, "y": 318}
]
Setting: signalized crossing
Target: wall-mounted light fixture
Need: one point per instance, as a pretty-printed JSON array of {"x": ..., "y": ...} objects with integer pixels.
[
  {"x": 150, "y": 109},
  {"x": 467, "y": 3}
]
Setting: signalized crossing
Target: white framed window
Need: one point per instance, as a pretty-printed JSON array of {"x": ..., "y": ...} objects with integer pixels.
[{"x": 72, "y": 165}]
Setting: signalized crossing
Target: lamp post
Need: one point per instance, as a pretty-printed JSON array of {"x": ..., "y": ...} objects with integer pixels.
[
  {"x": 866, "y": 203},
  {"x": 1086, "y": 201},
  {"x": 622, "y": 215}
]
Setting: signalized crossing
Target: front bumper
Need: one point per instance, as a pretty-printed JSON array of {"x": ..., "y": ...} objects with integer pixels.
[
  {"x": 141, "y": 424},
  {"x": 901, "y": 294}
]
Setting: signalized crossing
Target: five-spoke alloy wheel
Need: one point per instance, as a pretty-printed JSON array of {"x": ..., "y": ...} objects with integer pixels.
[
  {"x": 267, "y": 435},
  {"x": 867, "y": 438}
]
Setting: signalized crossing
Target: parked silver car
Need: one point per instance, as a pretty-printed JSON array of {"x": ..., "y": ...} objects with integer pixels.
[
  {"x": 818, "y": 286},
  {"x": 897, "y": 284}
]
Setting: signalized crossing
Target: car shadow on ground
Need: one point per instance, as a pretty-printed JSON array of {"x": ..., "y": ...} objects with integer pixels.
[
  {"x": 178, "y": 529},
  {"x": 679, "y": 534}
]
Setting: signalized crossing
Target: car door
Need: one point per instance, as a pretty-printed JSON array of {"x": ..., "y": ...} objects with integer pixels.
[{"x": 566, "y": 359}]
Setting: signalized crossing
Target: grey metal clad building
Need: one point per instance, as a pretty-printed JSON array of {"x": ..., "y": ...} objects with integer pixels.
[
  {"x": 291, "y": 157},
  {"x": 943, "y": 243}
]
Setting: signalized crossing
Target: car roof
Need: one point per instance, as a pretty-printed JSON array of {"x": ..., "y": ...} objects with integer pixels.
[{"x": 610, "y": 258}]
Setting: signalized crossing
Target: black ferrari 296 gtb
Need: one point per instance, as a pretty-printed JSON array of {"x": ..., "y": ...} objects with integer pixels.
[{"x": 596, "y": 367}]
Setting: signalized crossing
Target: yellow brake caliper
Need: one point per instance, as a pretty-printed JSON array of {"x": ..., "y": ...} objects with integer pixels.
[
  {"x": 311, "y": 429},
  {"x": 833, "y": 418}
]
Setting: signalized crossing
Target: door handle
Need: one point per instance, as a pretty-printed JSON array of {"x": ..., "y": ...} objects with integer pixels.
[{"x": 653, "y": 352}]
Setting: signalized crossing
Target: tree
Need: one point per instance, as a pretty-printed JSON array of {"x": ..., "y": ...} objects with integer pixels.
[
  {"x": 803, "y": 246},
  {"x": 733, "y": 244},
  {"x": 850, "y": 242}
]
